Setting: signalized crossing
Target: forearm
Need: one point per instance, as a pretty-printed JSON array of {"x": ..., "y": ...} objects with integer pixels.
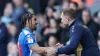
[
  {"x": 68, "y": 49},
  {"x": 41, "y": 50}
]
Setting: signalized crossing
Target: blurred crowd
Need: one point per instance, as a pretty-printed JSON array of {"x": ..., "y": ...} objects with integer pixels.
[{"x": 50, "y": 30}]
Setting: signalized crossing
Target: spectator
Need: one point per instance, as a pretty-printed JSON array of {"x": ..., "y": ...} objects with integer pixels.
[
  {"x": 13, "y": 32},
  {"x": 6, "y": 18},
  {"x": 3, "y": 39},
  {"x": 52, "y": 41},
  {"x": 12, "y": 49},
  {"x": 30, "y": 10},
  {"x": 65, "y": 5},
  {"x": 96, "y": 18},
  {"x": 56, "y": 16},
  {"x": 74, "y": 6},
  {"x": 18, "y": 12},
  {"x": 49, "y": 14},
  {"x": 51, "y": 3},
  {"x": 52, "y": 29},
  {"x": 81, "y": 5},
  {"x": 88, "y": 21}
]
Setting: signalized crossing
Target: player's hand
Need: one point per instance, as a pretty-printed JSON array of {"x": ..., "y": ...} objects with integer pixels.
[{"x": 51, "y": 51}]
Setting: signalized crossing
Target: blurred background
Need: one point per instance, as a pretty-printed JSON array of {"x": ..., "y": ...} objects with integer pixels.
[{"x": 50, "y": 30}]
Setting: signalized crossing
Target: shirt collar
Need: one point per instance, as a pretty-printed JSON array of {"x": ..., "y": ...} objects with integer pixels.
[
  {"x": 72, "y": 23},
  {"x": 26, "y": 28}
]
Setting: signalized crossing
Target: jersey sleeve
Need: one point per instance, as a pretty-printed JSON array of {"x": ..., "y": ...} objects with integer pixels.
[
  {"x": 30, "y": 40},
  {"x": 74, "y": 41}
]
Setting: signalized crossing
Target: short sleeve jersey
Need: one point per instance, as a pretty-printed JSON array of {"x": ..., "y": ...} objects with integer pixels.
[{"x": 25, "y": 41}]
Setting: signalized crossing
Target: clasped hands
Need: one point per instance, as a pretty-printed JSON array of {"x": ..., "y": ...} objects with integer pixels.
[{"x": 51, "y": 51}]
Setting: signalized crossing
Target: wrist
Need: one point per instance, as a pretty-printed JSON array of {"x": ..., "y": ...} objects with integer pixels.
[{"x": 56, "y": 50}]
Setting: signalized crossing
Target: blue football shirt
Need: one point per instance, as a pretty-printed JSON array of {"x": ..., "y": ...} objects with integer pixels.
[{"x": 25, "y": 41}]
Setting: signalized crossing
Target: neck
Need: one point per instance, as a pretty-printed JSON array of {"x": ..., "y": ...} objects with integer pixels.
[{"x": 70, "y": 22}]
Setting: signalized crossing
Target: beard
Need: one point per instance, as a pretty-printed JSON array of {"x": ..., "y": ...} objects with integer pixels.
[{"x": 35, "y": 29}]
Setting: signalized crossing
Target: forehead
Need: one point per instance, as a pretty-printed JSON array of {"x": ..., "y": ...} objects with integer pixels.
[{"x": 85, "y": 12}]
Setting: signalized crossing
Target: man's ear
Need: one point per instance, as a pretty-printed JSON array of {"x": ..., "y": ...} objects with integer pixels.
[{"x": 67, "y": 18}]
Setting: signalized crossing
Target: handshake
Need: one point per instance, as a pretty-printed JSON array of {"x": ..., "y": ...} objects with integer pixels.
[{"x": 51, "y": 51}]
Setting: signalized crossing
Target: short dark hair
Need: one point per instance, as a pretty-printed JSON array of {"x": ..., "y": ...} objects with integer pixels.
[
  {"x": 25, "y": 17},
  {"x": 69, "y": 12},
  {"x": 76, "y": 4}
]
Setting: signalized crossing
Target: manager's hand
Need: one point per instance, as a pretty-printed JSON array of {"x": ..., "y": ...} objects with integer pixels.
[{"x": 58, "y": 45}]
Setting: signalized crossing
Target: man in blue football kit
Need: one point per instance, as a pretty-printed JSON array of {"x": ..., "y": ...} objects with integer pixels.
[
  {"x": 27, "y": 42},
  {"x": 79, "y": 34}
]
